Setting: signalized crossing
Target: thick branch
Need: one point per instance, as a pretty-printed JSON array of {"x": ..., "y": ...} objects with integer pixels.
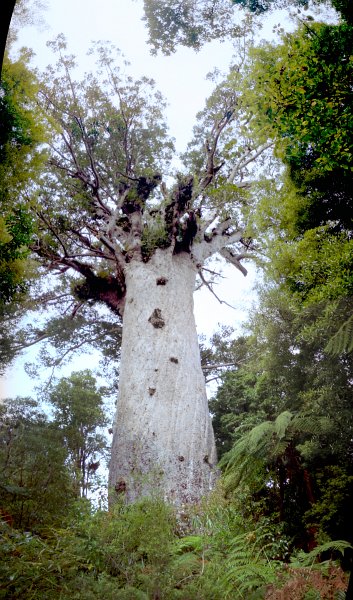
[
  {"x": 234, "y": 260},
  {"x": 214, "y": 241}
]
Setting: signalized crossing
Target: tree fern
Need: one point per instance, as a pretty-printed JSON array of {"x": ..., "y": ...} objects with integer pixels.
[
  {"x": 307, "y": 559},
  {"x": 262, "y": 444},
  {"x": 267, "y": 444}
]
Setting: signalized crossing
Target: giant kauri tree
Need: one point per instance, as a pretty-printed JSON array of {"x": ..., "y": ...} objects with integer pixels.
[{"x": 110, "y": 225}]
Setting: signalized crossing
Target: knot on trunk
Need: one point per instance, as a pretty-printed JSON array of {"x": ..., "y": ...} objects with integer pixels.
[
  {"x": 120, "y": 487},
  {"x": 161, "y": 281},
  {"x": 156, "y": 319}
]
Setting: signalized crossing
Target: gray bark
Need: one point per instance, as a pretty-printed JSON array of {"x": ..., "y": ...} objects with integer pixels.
[{"x": 163, "y": 440}]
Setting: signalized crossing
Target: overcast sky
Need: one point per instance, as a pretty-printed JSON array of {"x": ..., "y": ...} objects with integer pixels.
[{"x": 182, "y": 80}]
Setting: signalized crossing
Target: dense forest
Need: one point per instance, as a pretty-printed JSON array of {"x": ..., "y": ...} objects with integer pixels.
[{"x": 91, "y": 228}]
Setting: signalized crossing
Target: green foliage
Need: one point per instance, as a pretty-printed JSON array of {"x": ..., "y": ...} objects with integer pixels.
[
  {"x": 309, "y": 106},
  {"x": 262, "y": 6},
  {"x": 303, "y": 90},
  {"x": 286, "y": 410},
  {"x": 147, "y": 551},
  {"x": 154, "y": 235},
  {"x": 35, "y": 487},
  {"x": 15, "y": 237},
  {"x": 173, "y": 23},
  {"x": 133, "y": 543},
  {"x": 342, "y": 341},
  {"x": 335, "y": 547},
  {"x": 79, "y": 416},
  {"x": 331, "y": 510},
  {"x": 20, "y": 161}
]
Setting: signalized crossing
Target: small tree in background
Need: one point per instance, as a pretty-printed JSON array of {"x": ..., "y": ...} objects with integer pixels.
[
  {"x": 35, "y": 486},
  {"x": 79, "y": 416}
]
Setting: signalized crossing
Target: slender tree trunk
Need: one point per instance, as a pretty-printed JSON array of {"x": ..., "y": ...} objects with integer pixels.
[{"x": 163, "y": 440}]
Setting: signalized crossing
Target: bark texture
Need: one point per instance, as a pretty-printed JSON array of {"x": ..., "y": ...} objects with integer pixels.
[{"x": 163, "y": 439}]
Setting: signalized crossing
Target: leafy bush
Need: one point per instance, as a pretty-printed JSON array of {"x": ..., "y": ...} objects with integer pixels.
[{"x": 146, "y": 551}]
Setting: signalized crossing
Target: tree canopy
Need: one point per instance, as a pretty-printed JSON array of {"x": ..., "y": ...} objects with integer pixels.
[
  {"x": 109, "y": 154},
  {"x": 190, "y": 24}
]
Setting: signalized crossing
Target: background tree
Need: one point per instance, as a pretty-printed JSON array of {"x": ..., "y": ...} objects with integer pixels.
[
  {"x": 35, "y": 488},
  {"x": 310, "y": 111},
  {"x": 190, "y": 24},
  {"x": 80, "y": 417},
  {"x": 288, "y": 475},
  {"x": 20, "y": 160},
  {"x": 307, "y": 297}
]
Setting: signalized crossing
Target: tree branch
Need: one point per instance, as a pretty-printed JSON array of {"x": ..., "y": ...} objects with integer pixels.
[
  {"x": 234, "y": 260},
  {"x": 219, "y": 366},
  {"x": 245, "y": 160},
  {"x": 209, "y": 287},
  {"x": 211, "y": 170},
  {"x": 213, "y": 242}
]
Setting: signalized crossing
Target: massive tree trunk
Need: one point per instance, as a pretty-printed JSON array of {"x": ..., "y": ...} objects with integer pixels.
[{"x": 163, "y": 440}]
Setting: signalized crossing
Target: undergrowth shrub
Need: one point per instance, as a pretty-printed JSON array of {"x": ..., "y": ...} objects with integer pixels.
[{"x": 147, "y": 551}]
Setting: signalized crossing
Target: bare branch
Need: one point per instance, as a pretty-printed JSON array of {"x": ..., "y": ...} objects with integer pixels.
[
  {"x": 213, "y": 272},
  {"x": 211, "y": 148},
  {"x": 53, "y": 231},
  {"x": 209, "y": 287},
  {"x": 219, "y": 366},
  {"x": 245, "y": 160}
]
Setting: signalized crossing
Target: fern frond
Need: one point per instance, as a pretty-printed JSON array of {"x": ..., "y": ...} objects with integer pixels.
[
  {"x": 342, "y": 341},
  {"x": 311, "y": 424},
  {"x": 258, "y": 436},
  {"x": 247, "y": 567},
  {"x": 244, "y": 578},
  {"x": 282, "y": 422},
  {"x": 304, "y": 559},
  {"x": 189, "y": 543},
  {"x": 186, "y": 564}
]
